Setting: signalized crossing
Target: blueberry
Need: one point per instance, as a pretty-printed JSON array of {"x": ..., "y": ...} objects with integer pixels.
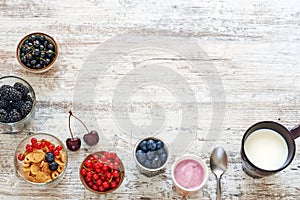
[
  {"x": 163, "y": 157},
  {"x": 151, "y": 145},
  {"x": 147, "y": 164},
  {"x": 143, "y": 146},
  {"x": 41, "y": 47},
  {"x": 150, "y": 155},
  {"x": 42, "y": 38},
  {"x": 47, "y": 61},
  {"x": 50, "y": 46},
  {"x": 42, "y": 54},
  {"x": 32, "y": 37},
  {"x": 49, "y": 157},
  {"x": 33, "y": 62},
  {"x": 161, "y": 151},
  {"x": 29, "y": 44},
  {"x": 46, "y": 43},
  {"x": 53, "y": 166},
  {"x": 141, "y": 156},
  {"x": 36, "y": 43},
  {"x": 36, "y": 52},
  {"x": 159, "y": 145},
  {"x": 156, "y": 163}
]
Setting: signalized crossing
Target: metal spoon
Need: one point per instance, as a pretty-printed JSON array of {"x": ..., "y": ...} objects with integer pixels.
[{"x": 218, "y": 165}]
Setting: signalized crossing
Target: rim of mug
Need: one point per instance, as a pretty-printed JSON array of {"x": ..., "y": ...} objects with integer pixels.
[
  {"x": 287, "y": 162},
  {"x": 197, "y": 159}
]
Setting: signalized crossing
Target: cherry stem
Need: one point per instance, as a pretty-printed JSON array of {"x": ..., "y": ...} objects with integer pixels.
[
  {"x": 71, "y": 114},
  {"x": 70, "y": 124}
]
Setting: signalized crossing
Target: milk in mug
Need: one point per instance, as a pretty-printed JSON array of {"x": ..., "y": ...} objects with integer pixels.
[{"x": 266, "y": 149}]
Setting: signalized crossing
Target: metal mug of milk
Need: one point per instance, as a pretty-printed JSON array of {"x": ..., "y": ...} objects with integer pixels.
[{"x": 267, "y": 148}]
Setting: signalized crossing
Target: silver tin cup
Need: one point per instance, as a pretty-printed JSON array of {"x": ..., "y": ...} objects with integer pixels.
[{"x": 149, "y": 171}]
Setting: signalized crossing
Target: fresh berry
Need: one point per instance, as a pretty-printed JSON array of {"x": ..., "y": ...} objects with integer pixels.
[
  {"x": 150, "y": 155},
  {"x": 3, "y": 103},
  {"x": 159, "y": 145},
  {"x": 143, "y": 146},
  {"x": 14, "y": 116},
  {"x": 21, "y": 157},
  {"x": 37, "y": 51},
  {"x": 33, "y": 140},
  {"x": 53, "y": 166},
  {"x": 141, "y": 156},
  {"x": 3, "y": 115},
  {"x": 17, "y": 104},
  {"x": 11, "y": 94},
  {"x": 21, "y": 88},
  {"x": 25, "y": 108},
  {"x": 49, "y": 157},
  {"x": 151, "y": 145}
]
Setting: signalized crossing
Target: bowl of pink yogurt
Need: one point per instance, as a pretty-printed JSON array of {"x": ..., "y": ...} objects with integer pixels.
[{"x": 189, "y": 174}]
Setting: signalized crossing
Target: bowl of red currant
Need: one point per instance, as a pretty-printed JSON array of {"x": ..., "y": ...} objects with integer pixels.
[
  {"x": 37, "y": 52},
  {"x": 17, "y": 103},
  {"x": 41, "y": 160},
  {"x": 102, "y": 172}
]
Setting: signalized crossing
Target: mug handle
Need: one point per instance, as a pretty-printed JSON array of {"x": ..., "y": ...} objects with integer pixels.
[{"x": 295, "y": 132}]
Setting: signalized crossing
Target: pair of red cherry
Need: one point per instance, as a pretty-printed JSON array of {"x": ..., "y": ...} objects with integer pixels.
[{"x": 91, "y": 138}]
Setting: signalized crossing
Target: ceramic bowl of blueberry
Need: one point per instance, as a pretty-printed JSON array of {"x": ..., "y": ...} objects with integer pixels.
[
  {"x": 17, "y": 103},
  {"x": 41, "y": 160},
  {"x": 37, "y": 52},
  {"x": 102, "y": 172},
  {"x": 151, "y": 155}
]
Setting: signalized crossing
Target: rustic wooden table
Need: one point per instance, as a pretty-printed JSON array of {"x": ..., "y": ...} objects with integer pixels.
[{"x": 235, "y": 63}]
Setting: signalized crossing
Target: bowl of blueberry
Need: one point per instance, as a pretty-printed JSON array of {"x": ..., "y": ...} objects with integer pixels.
[
  {"x": 37, "y": 52},
  {"x": 17, "y": 103},
  {"x": 151, "y": 155},
  {"x": 41, "y": 160},
  {"x": 102, "y": 172}
]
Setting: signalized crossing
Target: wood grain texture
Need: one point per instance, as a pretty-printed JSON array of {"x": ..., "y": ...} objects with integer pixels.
[{"x": 254, "y": 46}]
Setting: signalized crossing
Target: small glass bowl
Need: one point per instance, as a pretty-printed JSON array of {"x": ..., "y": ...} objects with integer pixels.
[
  {"x": 151, "y": 171},
  {"x": 106, "y": 158},
  {"x": 62, "y": 161},
  {"x": 19, "y": 125},
  {"x": 41, "y": 70}
]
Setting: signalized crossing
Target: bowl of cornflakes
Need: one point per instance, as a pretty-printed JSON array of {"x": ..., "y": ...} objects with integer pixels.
[{"x": 41, "y": 160}]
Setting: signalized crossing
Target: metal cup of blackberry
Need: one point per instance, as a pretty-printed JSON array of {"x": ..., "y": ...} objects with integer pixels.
[
  {"x": 37, "y": 52},
  {"x": 17, "y": 102},
  {"x": 151, "y": 155}
]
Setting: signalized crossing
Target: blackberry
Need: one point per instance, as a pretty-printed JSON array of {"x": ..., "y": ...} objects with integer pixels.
[
  {"x": 11, "y": 94},
  {"x": 21, "y": 88},
  {"x": 17, "y": 104},
  {"x": 3, "y": 115},
  {"x": 4, "y": 87},
  {"x": 27, "y": 98},
  {"x": 14, "y": 116},
  {"x": 3, "y": 103},
  {"x": 25, "y": 108}
]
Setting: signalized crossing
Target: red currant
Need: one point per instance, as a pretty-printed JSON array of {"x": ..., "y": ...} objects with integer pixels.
[
  {"x": 83, "y": 172},
  {"x": 113, "y": 184},
  {"x": 116, "y": 173},
  {"x": 95, "y": 177},
  {"x": 56, "y": 152},
  {"x": 89, "y": 174},
  {"x": 105, "y": 184},
  {"x": 99, "y": 182},
  {"x": 88, "y": 163},
  {"x": 95, "y": 187},
  {"x": 21, "y": 157},
  {"x": 105, "y": 168},
  {"x": 59, "y": 148},
  {"x": 33, "y": 140},
  {"x": 51, "y": 147},
  {"x": 101, "y": 189}
]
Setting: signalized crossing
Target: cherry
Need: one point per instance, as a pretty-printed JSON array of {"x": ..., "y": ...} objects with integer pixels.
[
  {"x": 92, "y": 137},
  {"x": 72, "y": 143}
]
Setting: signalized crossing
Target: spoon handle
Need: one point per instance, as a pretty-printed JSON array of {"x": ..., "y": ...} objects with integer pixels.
[{"x": 218, "y": 188}]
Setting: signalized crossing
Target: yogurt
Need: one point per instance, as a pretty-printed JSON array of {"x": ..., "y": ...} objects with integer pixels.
[{"x": 189, "y": 174}]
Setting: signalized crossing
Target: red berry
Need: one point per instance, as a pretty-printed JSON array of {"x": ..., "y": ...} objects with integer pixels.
[
  {"x": 83, "y": 171},
  {"x": 33, "y": 140},
  {"x": 90, "y": 184},
  {"x": 95, "y": 157},
  {"x": 21, "y": 157},
  {"x": 99, "y": 182},
  {"x": 56, "y": 152},
  {"x": 101, "y": 189},
  {"x": 47, "y": 143},
  {"x": 59, "y": 148},
  {"x": 95, "y": 187},
  {"x": 117, "y": 179},
  {"x": 95, "y": 177},
  {"x": 102, "y": 178},
  {"x": 51, "y": 147},
  {"x": 88, "y": 179},
  {"x": 116, "y": 166},
  {"x": 105, "y": 184},
  {"x": 103, "y": 158},
  {"x": 88, "y": 163},
  {"x": 89, "y": 174},
  {"x": 116, "y": 173},
  {"x": 105, "y": 168},
  {"x": 108, "y": 175},
  {"x": 113, "y": 184}
]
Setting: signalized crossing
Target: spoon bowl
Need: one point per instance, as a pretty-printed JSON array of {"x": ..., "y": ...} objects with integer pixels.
[{"x": 218, "y": 165}]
